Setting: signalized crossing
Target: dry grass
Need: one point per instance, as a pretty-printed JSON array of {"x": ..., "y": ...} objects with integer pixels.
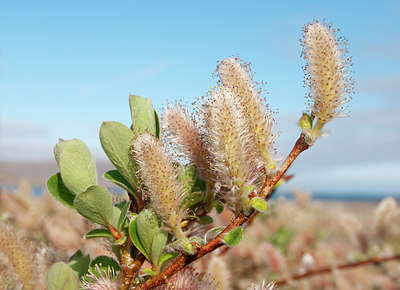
[{"x": 292, "y": 238}]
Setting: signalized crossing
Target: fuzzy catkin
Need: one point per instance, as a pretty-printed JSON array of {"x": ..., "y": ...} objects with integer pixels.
[
  {"x": 181, "y": 131},
  {"x": 236, "y": 75},
  {"x": 159, "y": 176},
  {"x": 326, "y": 71},
  {"x": 233, "y": 160}
]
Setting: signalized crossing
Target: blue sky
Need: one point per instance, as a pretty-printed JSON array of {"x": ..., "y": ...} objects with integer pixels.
[{"x": 66, "y": 66}]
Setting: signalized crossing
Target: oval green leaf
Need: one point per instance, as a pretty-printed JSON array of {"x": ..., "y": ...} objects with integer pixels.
[
  {"x": 115, "y": 139},
  {"x": 219, "y": 207},
  {"x": 158, "y": 246},
  {"x": 144, "y": 117},
  {"x": 95, "y": 204},
  {"x": 59, "y": 191},
  {"x": 148, "y": 271},
  {"x": 116, "y": 177},
  {"x": 234, "y": 237},
  {"x": 61, "y": 277},
  {"x": 165, "y": 258},
  {"x": 213, "y": 233},
  {"x": 205, "y": 220},
  {"x": 192, "y": 199},
  {"x": 103, "y": 262},
  {"x": 148, "y": 224},
  {"x": 77, "y": 167},
  {"x": 57, "y": 151},
  {"x": 135, "y": 237},
  {"x": 79, "y": 263},
  {"x": 259, "y": 204}
]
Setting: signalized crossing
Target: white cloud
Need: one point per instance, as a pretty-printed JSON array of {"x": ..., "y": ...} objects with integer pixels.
[{"x": 24, "y": 141}]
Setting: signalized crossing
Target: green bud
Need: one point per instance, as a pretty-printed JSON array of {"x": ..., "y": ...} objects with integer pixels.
[{"x": 306, "y": 122}]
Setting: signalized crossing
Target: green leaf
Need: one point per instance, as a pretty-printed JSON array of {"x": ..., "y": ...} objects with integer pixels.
[
  {"x": 117, "y": 178},
  {"x": 205, "y": 220},
  {"x": 115, "y": 139},
  {"x": 167, "y": 257},
  {"x": 143, "y": 116},
  {"x": 186, "y": 173},
  {"x": 98, "y": 233},
  {"x": 57, "y": 151},
  {"x": 124, "y": 207},
  {"x": 59, "y": 191},
  {"x": 95, "y": 204},
  {"x": 135, "y": 237},
  {"x": 61, "y": 277},
  {"x": 147, "y": 226},
  {"x": 197, "y": 240},
  {"x": 234, "y": 237},
  {"x": 259, "y": 204},
  {"x": 306, "y": 122},
  {"x": 120, "y": 241},
  {"x": 148, "y": 271},
  {"x": 103, "y": 263},
  {"x": 200, "y": 185},
  {"x": 219, "y": 207},
  {"x": 158, "y": 127},
  {"x": 77, "y": 167},
  {"x": 213, "y": 233},
  {"x": 192, "y": 199},
  {"x": 79, "y": 263},
  {"x": 157, "y": 248},
  {"x": 76, "y": 255},
  {"x": 115, "y": 216}
]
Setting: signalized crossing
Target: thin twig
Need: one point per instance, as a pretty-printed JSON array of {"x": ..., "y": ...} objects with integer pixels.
[
  {"x": 185, "y": 260},
  {"x": 374, "y": 260},
  {"x": 217, "y": 242},
  {"x": 269, "y": 184}
]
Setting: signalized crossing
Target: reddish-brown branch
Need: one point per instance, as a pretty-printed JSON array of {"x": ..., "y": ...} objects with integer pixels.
[
  {"x": 130, "y": 267},
  {"x": 185, "y": 260},
  {"x": 269, "y": 184},
  {"x": 214, "y": 244},
  {"x": 326, "y": 270}
]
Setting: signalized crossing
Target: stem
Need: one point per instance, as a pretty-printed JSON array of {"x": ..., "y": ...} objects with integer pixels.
[
  {"x": 130, "y": 267},
  {"x": 215, "y": 243},
  {"x": 269, "y": 184},
  {"x": 139, "y": 199},
  {"x": 325, "y": 270},
  {"x": 185, "y": 260}
]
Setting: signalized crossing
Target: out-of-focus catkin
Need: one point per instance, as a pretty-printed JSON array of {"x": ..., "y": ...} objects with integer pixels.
[{"x": 17, "y": 258}]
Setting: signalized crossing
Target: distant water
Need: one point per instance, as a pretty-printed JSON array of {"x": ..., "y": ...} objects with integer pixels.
[
  {"x": 36, "y": 190},
  {"x": 342, "y": 196},
  {"x": 322, "y": 196}
]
